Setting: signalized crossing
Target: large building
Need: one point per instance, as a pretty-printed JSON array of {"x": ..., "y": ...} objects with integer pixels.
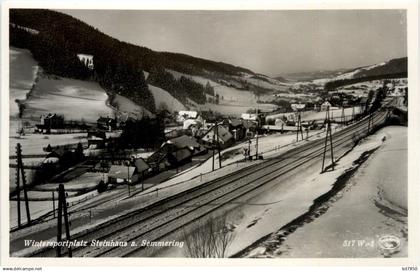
[{"x": 87, "y": 60}]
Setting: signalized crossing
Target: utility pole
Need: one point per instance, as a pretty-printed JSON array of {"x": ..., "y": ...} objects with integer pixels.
[
  {"x": 128, "y": 177},
  {"x": 343, "y": 118},
  {"x": 299, "y": 128},
  {"x": 20, "y": 173},
  {"x": 214, "y": 145},
  {"x": 256, "y": 143},
  {"x": 352, "y": 114},
  {"x": 258, "y": 126},
  {"x": 328, "y": 135},
  {"x": 62, "y": 210},
  {"x": 218, "y": 146},
  {"x": 53, "y": 203},
  {"x": 370, "y": 122}
]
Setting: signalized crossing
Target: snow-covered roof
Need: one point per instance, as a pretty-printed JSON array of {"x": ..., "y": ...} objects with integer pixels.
[
  {"x": 298, "y": 106},
  {"x": 183, "y": 142},
  {"x": 222, "y": 132},
  {"x": 247, "y": 116},
  {"x": 189, "y": 122},
  {"x": 189, "y": 114},
  {"x": 181, "y": 154},
  {"x": 141, "y": 165},
  {"x": 84, "y": 56},
  {"x": 121, "y": 172},
  {"x": 51, "y": 160}
]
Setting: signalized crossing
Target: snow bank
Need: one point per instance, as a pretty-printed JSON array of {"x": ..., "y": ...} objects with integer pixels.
[{"x": 372, "y": 204}]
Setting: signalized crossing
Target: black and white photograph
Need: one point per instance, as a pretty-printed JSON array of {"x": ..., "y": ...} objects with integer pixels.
[{"x": 207, "y": 133}]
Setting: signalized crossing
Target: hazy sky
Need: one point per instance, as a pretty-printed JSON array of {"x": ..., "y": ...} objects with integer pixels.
[{"x": 269, "y": 42}]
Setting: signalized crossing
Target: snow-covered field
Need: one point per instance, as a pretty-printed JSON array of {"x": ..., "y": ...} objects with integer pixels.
[
  {"x": 65, "y": 96},
  {"x": 319, "y": 115},
  {"x": 375, "y": 197},
  {"x": 236, "y": 109},
  {"x": 165, "y": 100},
  {"x": 33, "y": 143},
  {"x": 23, "y": 71}
]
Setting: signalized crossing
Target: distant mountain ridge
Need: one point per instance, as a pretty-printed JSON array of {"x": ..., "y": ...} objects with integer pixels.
[{"x": 393, "y": 66}]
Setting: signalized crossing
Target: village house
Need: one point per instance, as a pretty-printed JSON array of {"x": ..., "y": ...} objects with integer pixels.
[
  {"x": 106, "y": 123},
  {"x": 120, "y": 174},
  {"x": 175, "y": 152},
  {"x": 325, "y": 106},
  {"x": 185, "y": 115},
  {"x": 142, "y": 170},
  {"x": 87, "y": 60},
  {"x": 62, "y": 156},
  {"x": 222, "y": 137},
  {"x": 50, "y": 121},
  {"x": 248, "y": 116},
  {"x": 191, "y": 121},
  {"x": 187, "y": 142},
  {"x": 96, "y": 139},
  {"x": 280, "y": 123},
  {"x": 237, "y": 129},
  {"x": 250, "y": 128}
]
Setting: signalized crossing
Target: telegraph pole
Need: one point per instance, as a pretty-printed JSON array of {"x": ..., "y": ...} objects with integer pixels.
[
  {"x": 62, "y": 210},
  {"x": 299, "y": 128},
  {"x": 328, "y": 135},
  {"x": 128, "y": 175},
  {"x": 214, "y": 145},
  {"x": 370, "y": 122},
  {"x": 218, "y": 146},
  {"x": 258, "y": 126},
  {"x": 20, "y": 173},
  {"x": 256, "y": 142},
  {"x": 53, "y": 203}
]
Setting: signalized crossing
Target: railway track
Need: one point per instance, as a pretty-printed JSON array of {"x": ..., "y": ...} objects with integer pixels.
[{"x": 166, "y": 216}]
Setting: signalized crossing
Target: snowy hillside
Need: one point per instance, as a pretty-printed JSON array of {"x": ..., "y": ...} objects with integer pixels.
[
  {"x": 233, "y": 94},
  {"x": 23, "y": 72},
  {"x": 232, "y": 101},
  {"x": 164, "y": 100},
  {"x": 65, "y": 96}
]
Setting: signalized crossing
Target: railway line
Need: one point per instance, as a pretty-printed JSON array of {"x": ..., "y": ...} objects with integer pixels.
[{"x": 168, "y": 215}]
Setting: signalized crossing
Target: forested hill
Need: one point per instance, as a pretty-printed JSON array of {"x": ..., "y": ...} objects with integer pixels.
[
  {"x": 55, "y": 40},
  {"x": 394, "y": 68}
]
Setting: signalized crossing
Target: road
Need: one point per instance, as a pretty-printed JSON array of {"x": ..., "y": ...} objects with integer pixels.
[{"x": 171, "y": 214}]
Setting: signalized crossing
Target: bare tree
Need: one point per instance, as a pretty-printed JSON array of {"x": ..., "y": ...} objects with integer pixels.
[{"x": 210, "y": 239}]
